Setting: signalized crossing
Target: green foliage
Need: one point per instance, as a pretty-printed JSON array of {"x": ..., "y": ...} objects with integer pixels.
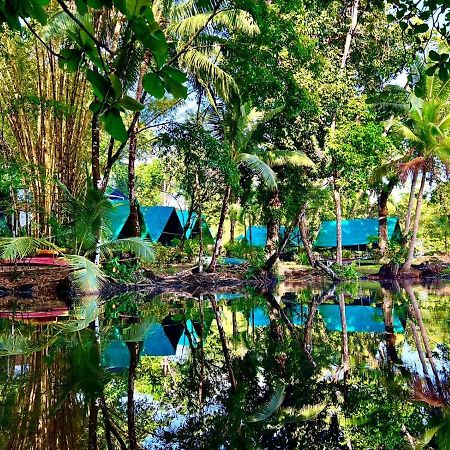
[
  {"x": 123, "y": 271},
  {"x": 346, "y": 271}
]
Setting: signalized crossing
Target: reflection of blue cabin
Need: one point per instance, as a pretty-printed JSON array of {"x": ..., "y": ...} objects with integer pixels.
[
  {"x": 362, "y": 319},
  {"x": 256, "y": 236},
  {"x": 161, "y": 339},
  {"x": 258, "y": 317}
]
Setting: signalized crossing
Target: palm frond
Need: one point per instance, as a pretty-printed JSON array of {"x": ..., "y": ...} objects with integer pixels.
[
  {"x": 137, "y": 331},
  {"x": 291, "y": 158},
  {"x": 202, "y": 66},
  {"x": 303, "y": 414},
  {"x": 237, "y": 20},
  {"x": 83, "y": 316},
  {"x": 143, "y": 249},
  {"x": 22, "y": 247},
  {"x": 87, "y": 277},
  {"x": 406, "y": 132},
  {"x": 260, "y": 168},
  {"x": 270, "y": 407}
]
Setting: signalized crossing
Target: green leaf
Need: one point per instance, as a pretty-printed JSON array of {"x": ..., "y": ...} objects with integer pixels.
[
  {"x": 82, "y": 7},
  {"x": 177, "y": 89},
  {"x": 95, "y": 106},
  {"x": 99, "y": 83},
  {"x": 130, "y": 103},
  {"x": 433, "y": 55},
  {"x": 443, "y": 73},
  {"x": 176, "y": 74},
  {"x": 71, "y": 59},
  {"x": 422, "y": 28},
  {"x": 121, "y": 6},
  {"x": 114, "y": 125},
  {"x": 153, "y": 84},
  {"x": 116, "y": 85}
]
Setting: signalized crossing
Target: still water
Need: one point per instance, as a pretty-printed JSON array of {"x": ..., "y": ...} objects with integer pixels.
[{"x": 352, "y": 366}]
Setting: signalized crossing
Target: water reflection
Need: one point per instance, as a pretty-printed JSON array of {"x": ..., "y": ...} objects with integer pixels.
[{"x": 359, "y": 366}]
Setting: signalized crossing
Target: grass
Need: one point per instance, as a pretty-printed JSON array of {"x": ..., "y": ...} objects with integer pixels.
[{"x": 369, "y": 269}]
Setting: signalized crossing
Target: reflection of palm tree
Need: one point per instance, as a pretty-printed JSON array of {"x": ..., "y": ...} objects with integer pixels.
[
  {"x": 345, "y": 358},
  {"x": 223, "y": 340},
  {"x": 388, "y": 314},
  {"x": 417, "y": 314}
]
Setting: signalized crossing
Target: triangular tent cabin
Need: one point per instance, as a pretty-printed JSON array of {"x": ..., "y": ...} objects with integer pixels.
[
  {"x": 162, "y": 223},
  {"x": 119, "y": 221},
  {"x": 194, "y": 225},
  {"x": 361, "y": 319},
  {"x": 356, "y": 233},
  {"x": 256, "y": 236}
]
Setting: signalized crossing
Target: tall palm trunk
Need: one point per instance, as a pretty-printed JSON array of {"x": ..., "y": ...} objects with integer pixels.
[
  {"x": 412, "y": 244},
  {"x": 383, "y": 213},
  {"x": 412, "y": 194},
  {"x": 219, "y": 237},
  {"x": 338, "y": 211},
  {"x": 134, "y": 205},
  {"x": 423, "y": 332},
  {"x": 273, "y": 224}
]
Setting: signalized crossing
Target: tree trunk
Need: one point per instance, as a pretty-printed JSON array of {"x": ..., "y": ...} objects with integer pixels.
[
  {"x": 273, "y": 224},
  {"x": 219, "y": 237},
  {"x": 338, "y": 211},
  {"x": 383, "y": 212},
  {"x": 223, "y": 340},
  {"x": 95, "y": 150},
  {"x": 345, "y": 356},
  {"x": 412, "y": 244},
  {"x": 313, "y": 261},
  {"x": 133, "y": 347},
  {"x": 388, "y": 314},
  {"x": 412, "y": 194},
  {"x": 232, "y": 229},
  {"x": 134, "y": 205},
  {"x": 200, "y": 230},
  {"x": 93, "y": 421}
]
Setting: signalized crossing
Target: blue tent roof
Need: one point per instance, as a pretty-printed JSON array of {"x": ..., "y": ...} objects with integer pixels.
[
  {"x": 156, "y": 219},
  {"x": 257, "y": 235},
  {"x": 118, "y": 216},
  {"x": 183, "y": 216},
  {"x": 115, "y": 194},
  {"x": 116, "y": 356},
  {"x": 363, "y": 319},
  {"x": 354, "y": 232}
]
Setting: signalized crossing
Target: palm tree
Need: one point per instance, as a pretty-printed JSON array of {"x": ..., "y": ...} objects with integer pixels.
[
  {"x": 236, "y": 125},
  {"x": 427, "y": 131}
]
